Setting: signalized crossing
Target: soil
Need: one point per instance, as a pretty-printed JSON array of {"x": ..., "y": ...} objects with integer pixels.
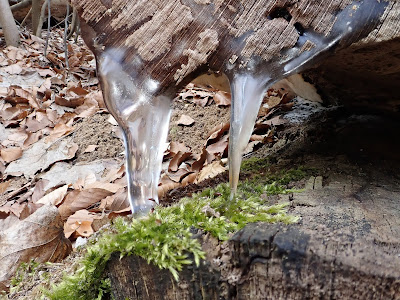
[{"x": 205, "y": 119}]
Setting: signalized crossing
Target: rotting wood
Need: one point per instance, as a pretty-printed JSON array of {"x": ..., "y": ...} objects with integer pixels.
[{"x": 161, "y": 38}]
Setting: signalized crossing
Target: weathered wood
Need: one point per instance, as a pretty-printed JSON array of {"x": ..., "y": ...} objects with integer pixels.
[
  {"x": 346, "y": 246},
  {"x": 173, "y": 41}
]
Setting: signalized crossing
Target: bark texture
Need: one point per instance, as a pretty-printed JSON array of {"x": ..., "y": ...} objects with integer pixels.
[
  {"x": 10, "y": 29},
  {"x": 173, "y": 41}
]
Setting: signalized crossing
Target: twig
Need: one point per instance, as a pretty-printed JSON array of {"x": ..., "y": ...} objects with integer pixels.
[
  {"x": 73, "y": 23},
  {"x": 21, "y": 5},
  {"x": 65, "y": 37},
  {"x": 26, "y": 17},
  {"x": 48, "y": 27}
]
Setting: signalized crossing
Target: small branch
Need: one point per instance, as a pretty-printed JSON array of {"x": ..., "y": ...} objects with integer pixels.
[
  {"x": 74, "y": 23},
  {"x": 65, "y": 37},
  {"x": 21, "y": 5},
  {"x": 26, "y": 17},
  {"x": 48, "y": 26}
]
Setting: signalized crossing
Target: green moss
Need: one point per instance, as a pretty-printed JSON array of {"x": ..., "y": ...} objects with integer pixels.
[
  {"x": 164, "y": 238},
  {"x": 254, "y": 164}
]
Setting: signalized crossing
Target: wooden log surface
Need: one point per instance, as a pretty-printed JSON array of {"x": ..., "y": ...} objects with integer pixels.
[
  {"x": 173, "y": 41},
  {"x": 346, "y": 246}
]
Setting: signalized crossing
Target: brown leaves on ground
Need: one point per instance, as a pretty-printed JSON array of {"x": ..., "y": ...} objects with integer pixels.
[
  {"x": 39, "y": 236},
  {"x": 42, "y": 105}
]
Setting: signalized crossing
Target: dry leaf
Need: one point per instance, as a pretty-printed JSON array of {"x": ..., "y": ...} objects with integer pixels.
[
  {"x": 39, "y": 237},
  {"x": 205, "y": 157},
  {"x": 13, "y": 69},
  {"x": 3, "y": 186},
  {"x": 219, "y": 147},
  {"x": 90, "y": 148},
  {"x": 55, "y": 197},
  {"x": 177, "y": 160},
  {"x": 111, "y": 187},
  {"x": 64, "y": 173},
  {"x": 210, "y": 171},
  {"x": 80, "y": 223},
  {"x": 73, "y": 103},
  {"x": 222, "y": 98},
  {"x": 40, "y": 156},
  {"x": 178, "y": 175},
  {"x": 77, "y": 200},
  {"x": 185, "y": 120},
  {"x": 11, "y": 154},
  {"x": 163, "y": 189},
  {"x": 216, "y": 133}
]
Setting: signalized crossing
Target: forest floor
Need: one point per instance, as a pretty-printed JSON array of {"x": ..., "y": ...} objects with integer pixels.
[{"x": 60, "y": 147}]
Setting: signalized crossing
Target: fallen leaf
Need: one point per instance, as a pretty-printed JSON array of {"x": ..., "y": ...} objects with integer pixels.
[
  {"x": 3, "y": 186},
  {"x": 73, "y": 102},
  {"x": 55, "y": 197},
  {"x": 80, "y": 223},
  {"x": 205, "y": 157},
  {"x": 185, "y": 120},
  {"x": 11, "y": 154},
  {"x": 178, "y": 175},
  {"x": 177, "y": 160},
  {"x": 58, "y": 131},
  {"x": 162, "y": 190},
  {"x": 111, "y": 187},
  {"x": 77, "y": 200},
  {"x": 39, "y": 237},
  {"x": 90, "y": 148},
  {"x": 63, "y": 173},
  {"x": 217, "y": 132},
  {"x": 219, "y": 147},
  {"x": 222, "y": 98},
  {"x": 40, "y": 156},
  {"x": 210, "y": 171},
  {"x": 13, "y": 69},
  {"x": 117, "y": 202}
]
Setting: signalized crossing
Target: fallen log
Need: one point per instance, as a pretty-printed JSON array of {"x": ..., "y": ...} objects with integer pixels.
[{"x": 162, "y": 45}]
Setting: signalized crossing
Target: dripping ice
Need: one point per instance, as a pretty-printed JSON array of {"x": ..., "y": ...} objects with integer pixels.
[
  {"x": 143, "y": 113},
  {"x": 144, "y": 119},
  {"x": 249, "y": 84}
]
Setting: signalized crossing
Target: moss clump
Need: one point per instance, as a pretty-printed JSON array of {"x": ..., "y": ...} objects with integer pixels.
[
  {"x": 164, "y": 238},
  {"x": 254, "y": 164}
]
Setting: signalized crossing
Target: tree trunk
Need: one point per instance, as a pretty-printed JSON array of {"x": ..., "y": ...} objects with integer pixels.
[
  {"x": 36, "y": 8},
  {"x": 10, "y": 29}
]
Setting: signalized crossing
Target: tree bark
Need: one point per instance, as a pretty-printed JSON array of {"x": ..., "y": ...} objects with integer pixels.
[
  {"x": 10, "y": 29},
  {"x": 36, "y": 8}
]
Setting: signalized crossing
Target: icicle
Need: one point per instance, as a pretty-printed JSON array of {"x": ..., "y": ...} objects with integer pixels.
[
  {"x": 247, "y": 94},
  {"x": 249, "y": 81},
  {"x": 144, "y": 119}
]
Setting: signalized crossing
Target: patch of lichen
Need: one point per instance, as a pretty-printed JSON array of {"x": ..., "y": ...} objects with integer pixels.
[{"x": 164, "y": 238}]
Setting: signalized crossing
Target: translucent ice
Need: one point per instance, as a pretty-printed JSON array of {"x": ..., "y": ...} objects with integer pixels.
[
  {"x": 142, "y": 107},
  {"x": 144, "y": 119},
  {"x": 249, "y": 83}
]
